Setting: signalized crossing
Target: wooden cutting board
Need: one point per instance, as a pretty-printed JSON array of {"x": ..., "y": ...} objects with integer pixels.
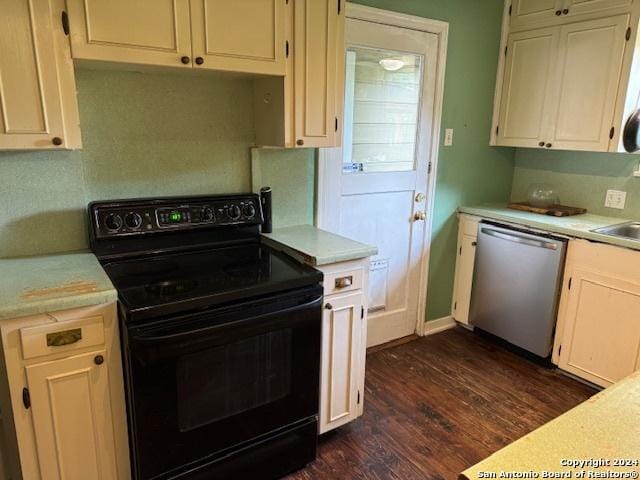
[{"x": 553, "y": 210}]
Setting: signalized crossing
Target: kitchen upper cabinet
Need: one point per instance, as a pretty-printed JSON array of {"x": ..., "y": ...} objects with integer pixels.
[
  {"x": 316, "y": 24},
  {"x": 598, "y": 336},
  {"x": 241, "y": 36},
  {"x": 305, "y": 108},
  {"x": 37, "y": 91},
  {"x": 467, "y": 237},
  {"x": 582, "y": 7},
  {"x": 585, "y": 84},
  {"x": 72, "y": 417},
  {"x": 526, "y": 94},
  {"x": 524, "y": 12},
  {"x": 145, "y": 32}
]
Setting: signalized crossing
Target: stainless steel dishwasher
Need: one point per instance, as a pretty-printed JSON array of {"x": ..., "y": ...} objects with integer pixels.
[{"x": 516, "y": 286}]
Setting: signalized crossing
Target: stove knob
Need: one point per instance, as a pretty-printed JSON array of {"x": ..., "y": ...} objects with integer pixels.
[
  {"x": 113, "y": 222},
  {"x": 249, "y": 210},
  {"x": 133, "y": 220},
  {"x": 206, "y": 214},
  {"x": 234, "y": 212}
]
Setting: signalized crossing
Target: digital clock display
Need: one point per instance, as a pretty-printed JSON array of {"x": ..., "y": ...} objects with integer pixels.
[{"x": 175, "y": 217}]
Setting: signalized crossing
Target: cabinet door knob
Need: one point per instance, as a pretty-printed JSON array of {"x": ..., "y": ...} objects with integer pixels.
[
  {"x": 199, "y": 60},
  {"x": 541, "y": 144},
  {"x": 57, "y": 141},
  {"x": 98, "y": 360},
  {"x": 185, "y": 59},
  {"x": 558, "y": 12},
  {"x": 328, "y": 306},
  {"x": 300, "y": 142},
  {"x": 565, "y": 11},
  {"x": 548, "y": 145}
]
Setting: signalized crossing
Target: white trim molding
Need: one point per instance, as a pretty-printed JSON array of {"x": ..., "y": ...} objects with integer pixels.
[
  {"x": 329, "y": 171},
  {"x": 439, "y": 325}
]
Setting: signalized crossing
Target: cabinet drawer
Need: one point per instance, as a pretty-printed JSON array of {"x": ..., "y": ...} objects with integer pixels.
[
  {"x": 339, "y": 282},
  {"x": 469, "y": 226},
  {"x": 59, "y": 337}
]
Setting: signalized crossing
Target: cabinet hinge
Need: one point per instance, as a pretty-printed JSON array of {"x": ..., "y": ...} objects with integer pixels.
[
  {"x": 336, "y": 124},
  {"x": 497, "y": 129},
  {"x": 611, "y": 132},
  {"x": 358, "y": 397},
  {"x": 627, "y": 35},
  {"x": 455, "y": 305},
  {"x": 559, "y": 350},
  {"x": 510, "y": 8},
  {"x": 339, "y": 6},
  {"x": 505, "y": 50},
  {"x": 569, "y": 286},
  {"x": 361, "y": 313},
  {"x": 460, "y": 251},
  {"x": 64, "y": 19},
  {"x": 429, "y": 167},
  {"x": 26, "y": 398},
  {"x": 286, "y": 48}
]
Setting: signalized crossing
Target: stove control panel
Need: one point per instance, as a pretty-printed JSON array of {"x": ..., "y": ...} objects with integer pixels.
[{"x": 131, "y": 217}]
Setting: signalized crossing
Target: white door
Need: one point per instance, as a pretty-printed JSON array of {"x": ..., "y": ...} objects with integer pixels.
[{"x": 379, "y": 177}]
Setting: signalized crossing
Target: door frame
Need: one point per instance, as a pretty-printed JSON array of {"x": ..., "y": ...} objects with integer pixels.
[{"x": 329, "y": 168}]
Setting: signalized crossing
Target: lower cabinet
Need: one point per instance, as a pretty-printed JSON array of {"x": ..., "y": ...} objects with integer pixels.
[
  {"x": 344, "y": 331},
  {"x": 598, "y": 333},
  {"x": 62, "y": 397},
  {"x": 467, "y": 237}
]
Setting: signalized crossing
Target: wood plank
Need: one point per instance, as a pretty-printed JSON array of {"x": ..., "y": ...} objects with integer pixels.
[{"x": 438, "y": 405}]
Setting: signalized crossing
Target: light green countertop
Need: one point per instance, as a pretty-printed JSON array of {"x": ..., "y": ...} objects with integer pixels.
[
  {"x": 579, "y": 226},
  {"x": 607, "y": 426},
  {"x": 315, "y": 246},
  {"x": 34, "y": 285}
]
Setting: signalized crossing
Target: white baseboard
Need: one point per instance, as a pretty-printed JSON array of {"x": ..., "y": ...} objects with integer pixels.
[{"x": 439, "y": 325}]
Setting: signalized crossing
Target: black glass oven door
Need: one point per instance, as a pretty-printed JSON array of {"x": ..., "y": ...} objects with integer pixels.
[{"x": 203, "y": 384}]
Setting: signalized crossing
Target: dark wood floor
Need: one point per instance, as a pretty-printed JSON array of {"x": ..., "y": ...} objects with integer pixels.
[{"x": 437, "y": 405}]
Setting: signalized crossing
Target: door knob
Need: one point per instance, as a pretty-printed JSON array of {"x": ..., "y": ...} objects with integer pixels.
[
  {"x": 419, "y": 216},
  {"x": 420, "y": 197}
]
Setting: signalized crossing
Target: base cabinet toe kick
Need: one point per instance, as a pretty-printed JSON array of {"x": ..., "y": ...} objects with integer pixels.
[{"x": 597, "y": 328}]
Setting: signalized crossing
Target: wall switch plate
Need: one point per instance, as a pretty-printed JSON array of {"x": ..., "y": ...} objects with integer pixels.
[
  {"x": 448, "y": 137},
  {"x": 615, "y": 199}
]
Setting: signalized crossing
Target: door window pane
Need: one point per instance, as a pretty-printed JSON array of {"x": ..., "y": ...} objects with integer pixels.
[{"x": 382, "y": 99}]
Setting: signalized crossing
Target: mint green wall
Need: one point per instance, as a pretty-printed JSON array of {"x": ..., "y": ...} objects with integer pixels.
[
  {"x": 580, "y": 178},
  {"x": 144, "y": 134},
  {"x": 470, "y": 171}
]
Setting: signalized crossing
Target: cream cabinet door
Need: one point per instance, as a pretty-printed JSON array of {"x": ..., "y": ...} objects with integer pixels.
[
  {"x": 467, "y": 237},
  {"x": 240, "y": 36},
  {"x": 72, "y": 418},
  {"x": 151, "y": 32},
  {"x": 601, "y": 333},
  {"x": 525, "y": 12},
  {"x": 341, "y": 366},
  {"x": 317, "y": 28},
  {"x": 579, "y": 7},
  {"x": 34, "y": 76},
  {"x": 586, "y": 81},
  {"x": 526, "y": 88}
]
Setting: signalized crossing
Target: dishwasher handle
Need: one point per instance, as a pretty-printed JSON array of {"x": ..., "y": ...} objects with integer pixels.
[{"x": 514, "y": 237}]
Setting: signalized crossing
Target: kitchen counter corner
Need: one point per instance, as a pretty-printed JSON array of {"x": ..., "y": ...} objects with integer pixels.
[
  {"x": 317, "y": 247},
  {"x": 40, "y": 284}
]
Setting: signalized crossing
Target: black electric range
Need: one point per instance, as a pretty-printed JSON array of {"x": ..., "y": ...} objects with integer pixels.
[{"x": 220, "y": 335}]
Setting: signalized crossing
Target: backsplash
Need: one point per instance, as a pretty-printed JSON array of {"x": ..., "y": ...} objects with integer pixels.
[
  {"x": 580, "y": 178},
  {"x": 144, "y": 134}
]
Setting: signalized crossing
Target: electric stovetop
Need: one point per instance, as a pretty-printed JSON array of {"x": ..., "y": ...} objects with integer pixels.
[{"x": 212, "y": 277}]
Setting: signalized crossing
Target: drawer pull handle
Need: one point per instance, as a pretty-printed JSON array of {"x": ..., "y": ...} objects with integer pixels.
[
  {"x": 66, "y": 337},
  {"x": 344, "y": 282}
]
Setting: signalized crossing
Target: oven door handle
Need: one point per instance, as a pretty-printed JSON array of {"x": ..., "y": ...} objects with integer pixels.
[{"x": 200, "y": 332}]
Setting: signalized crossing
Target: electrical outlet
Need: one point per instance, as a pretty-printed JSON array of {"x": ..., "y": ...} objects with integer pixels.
[
  {"x": 448, "y": 137},
  {"x": 615, "y": 199}
]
